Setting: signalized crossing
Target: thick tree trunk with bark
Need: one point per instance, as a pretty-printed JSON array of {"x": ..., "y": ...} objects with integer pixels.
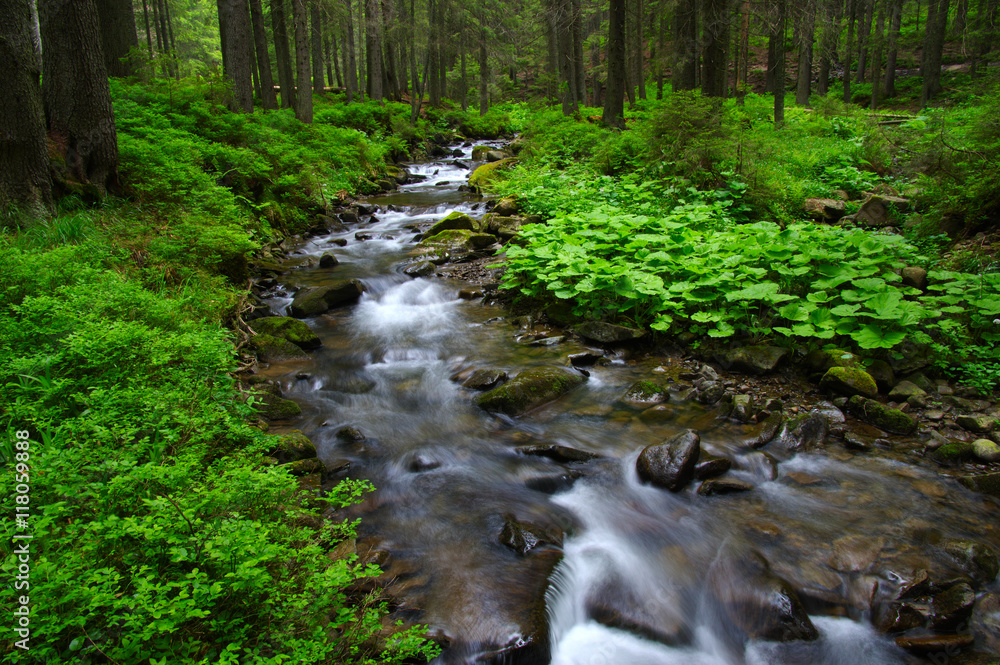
[
  {"x": 267, "y": 97},
  {"x": 316, "y": 34},
  {"x": 830, "y": 27},
  {"x": 685, "y": 45},
  {"x": 852, "y": 13},
  {"x": 81, "y": 123},
  {"x": 351, "y": 64},
  {"x": 937, "y": 23},
  {"x": 149, "y": 35},
  {"x": 779, "y": 68},
  {"x": 373, "y": 37},
  {"x": 237, "y": 45},
  {"x": 896, "y": 24},
  {"x": 279, "y": 25},
  {"x": 118, "y": 36},
  {"x": 864, "y": 38},
  {"x": 614, "y": 97},
  {"x": 716, "y": 35},
  {"x": 806, "y": 37},
  {"x": 878, "y": 45},
  {"x": 578, "y": 61},
  {"x": 25, "y": 186},
  {"x": 303, "y": 77}
]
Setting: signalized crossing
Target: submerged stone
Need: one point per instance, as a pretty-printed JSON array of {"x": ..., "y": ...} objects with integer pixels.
[
  {"x": 485, "y": 379},
  {"x": 723, "y": 486},
  {"x": 530, "y": 388},
  {"x": 558, "y": 453},
  {"x": 313, "y": 302}
]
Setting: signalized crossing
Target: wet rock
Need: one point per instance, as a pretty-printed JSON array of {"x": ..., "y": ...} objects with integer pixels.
[
  {"x": 273, "y": 407},
  {"x": 710, "y": 392},
  {"x": 898, "y": 617},
  {"x": 420, "y": 269},
  {"x": 711, "y": 466},
  {"x": 976, "y": 424},
  {"x": 548, "y": 341},
  {"x": 485, "y": 379},
  {"x": 915, "y": 277},
  {"x": 290, "y": 329},
  {"x": 955, "y": 452},
  {"x": 802, "y": 433},
  {"x": 655, "y": 614},
  {"x": 848, "y": 381},
  {"x": 523, "y": 537},
  {"x": 820, "y": 360},
  {"x": 645, "y": 392},
  {"x": 530, "y": 388},
  {"x": 607, "y": 333},
  {"x": 367, "y": 208},
  {"x": 339, "y": 242},
  {"x": 328, "y": 260},
  {"x": 305, "y": 467},
  {"x": 833, "y": 414},
  {"x": 657, "y": 414},
  {"x": 765, "y": 431},
  {"x": 757, "y": 601},
  {"x": 881, "y": 416},
  {"x": 881, "y": 371},
  {"x": 349, "y": 217},
  {"x": 584, "y": 359},
  {"x": 470, "y": 294},
  {"x": 952, "y": 608},
  {"x": 987, "y": 483},
  {"x": 754, "y": 359},
  {"x": 743, "y": 408},
  {"x": 558, "y": 453},
  {"x": 294, "y": 446},
  {"x": 934, "y": 644},
  {"x": 985, "y": 622},
  {"x": 670, "y": 464},
  {"x": 976, "y": 560},
  {"x": 272, "y": 349},
  {"x": 552, "y": 483},
  {"x": 986, "y": 450},
  {"x": 824, "y": 210},
  {"x": 904, "y": 390},
  {"x": 507, "y": 206},
  {"x": 856, "y": 441},
  {"x": 723, "y": 486},
  {"x": 479, "y": 152},
  {"x": 350, "y": 434},
  {"x": 422, "y": 462},
  {"x": 855, "y": 553},
  {"x": 311, "y": 302}
]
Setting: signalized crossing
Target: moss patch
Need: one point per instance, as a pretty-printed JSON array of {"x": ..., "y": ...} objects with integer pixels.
[
  {"x": 482, "y": 176},
  {"x": 285, "y": 327},
  {"x": 454, "y": 221},
  {"x": 529, "y": 389},
  {"x": 848, "y": 381},
  {"x": 272, "y": 349},
  {"x": 881, "y": 416}
]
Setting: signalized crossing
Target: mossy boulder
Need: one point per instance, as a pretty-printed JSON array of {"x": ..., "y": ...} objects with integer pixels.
[
  {"x": 454, "y": 221},
  {"x": 848, "y": 381},
  {"x": 273, "y": 407},
  {"x": 482, "y": 176},
  {"x": 313, "y": 302},
  {"x": 272, "y": 349},
  {"x": 294, "y": 446},
  {"x": 987, "y": 483},
  {"x": 286, "y": 327},
  {"x": 881, "y": 416},
  {"x": 607, "y": 333},
  {"x": 986, "y": 451},
  {"x": 479, "y": 152},
  {"x": 507, "y": 206},
  {"x": 456, "y": 239},
  {"x": 420, "y": 269},
  {"x": 754, "y": 359},
  {"x": 976, "y": 424},
  {"x": 820, "y": 360},
  {"x": 646, "y": 392},
  {"x": 955, "y": 452},
  {"x": 304, "y": 467},
  {"x": 504, "y": 228},
  {"x": 531, "y": 388}
]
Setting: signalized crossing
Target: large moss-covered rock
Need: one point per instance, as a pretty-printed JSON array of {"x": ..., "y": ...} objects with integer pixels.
[
  {"x": 987, "y": 483},
  {"x": 670, "y": 464},
  {"x": 313, "y": 302},
  {"x": 272, "y": 349},
  {"x": 820, "y": 360},
  {"x": 507, "y": 206},
  {"x": 285, "y": 327},
  {"x": 977, "y": 560},
  {"x": 294, "y": 446},
  {"x": 504, "y": 228},
  {"x": 531, "y": 388},
  {"x": 607, "y": 333},
  {"x": 456, "y": 239},
  {"x": 754, "y": 359},
  {"x": 453, "y": 222},
  {"x": 848, "y": 381},
  {"x": 645, "y": 393},
  {"x": 881, "y": 416},
  {"x": 482, "y": 176},
  {"x": 273, "y": 407},
  {"x": 976, "y": 423},
  {"x": 479, "y": 152},
  {"x": 955, "y": 452}
]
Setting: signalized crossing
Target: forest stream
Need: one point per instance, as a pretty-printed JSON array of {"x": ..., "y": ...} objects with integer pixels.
[{"x": 532, "y": 539}]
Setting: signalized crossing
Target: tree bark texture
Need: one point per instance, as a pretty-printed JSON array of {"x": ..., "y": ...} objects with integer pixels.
[
  {"x": 237, "y": 46},
  {"x": 267, "y": 98},
  {"x": 896, "y": 20},
  {"x": 716, "y": 35},
  {"x": 303, "y": 75},
  {"x": 806, "y": 37},
  {"x": 279, "y": 26},
  {"x": 685, "y": 45},
  {"x": 779, "y": 67},
  {"x": 316, "y": 35},
  {"x": 118, "y": 36},
  {"x": 937, "y": 23},
  {"x": 614, "y": 97}
]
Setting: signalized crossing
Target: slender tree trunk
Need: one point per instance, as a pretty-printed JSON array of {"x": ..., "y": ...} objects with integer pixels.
[
  {"x": 464, "y": 80},
  {"x": 118, "y": 36},
  {"x": 716, "y": 35},
  {"x": 568, "y": 83},
  {"x": 267, "y": 98},
  {"x": 389, "y": 61},
  {"x": 864, "y": 34},
  {"x": 168, "y": 67},
  {"x": 351, "y": 65},
  {"x": 937, "y": 24},
  {"x": 316, "y": 41},
  {"x": 849, "y": 49},
  {"x": 484, "y": 74},
  {"x": 303, "y": 77},
  {"x": 661, "y": 46},
  {"x": 806, "y": 36},
  {"x": 578, "y": 61},
  {"x": 149, "y": 35},
  {"x": 614, "y": 97},
  {"x": 831, "y": 25},
  {"x": 595, "y": 83},
  {"x": 236, "y": 46},
  {"x": 279, "y": 27},
  {"x": 76, "y": 94},
  {"x": 779, "y": 69},
  {"x": 685, "y": 45},
  {"x": 894, "y": 30},
  {"x": 640, "y": 51},
  {"x": 743, "y": 61},
  {"x": 417, "y": 92},
  {"x": 332, "y": 59},
  {"x": 173, "y": 45},
  {"x": 25, "y": 185},
  {"x": 961, "y": 19},
  {"x": 433, "y": 85},
  {"x": 878, "y": 43},
  {"x": 159, "y": 33},
  {"x": 373, "y": 39}
]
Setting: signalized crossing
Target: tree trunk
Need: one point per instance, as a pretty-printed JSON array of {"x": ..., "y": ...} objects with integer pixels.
[
  {"x": 894, "y": 30},
  {"x": 484, "y": 74},
  {"x": 578, "y": 61},
  {"x": 279, "y": 26},
  {"x": 639, "y": 60},
  {"x": 961, "y": 19},
  {"x": 149, "y": 35},
  {"x": 832, "y": 17},
  {"x": 878, "y": 44},
  {"x": 332, "y": 61},
  {"x": 25, "y": 186},
  {"x": 389, "y": 60},
  {"x": 118, "y": 36},
  {"x": 236, "y": 47},
  {"x": 937, "y": 24},
  {"x": 267, "y": 97},
  {"x": 743, "y": 58},
  {"x": 806, "y": 36},
  {"x": 159, "y": 33},
  {"x": 373, "y": 37},
  {"x": 849, "y": 48},
  {"x": 433, "y": 84},
  {"x": 685, "y": 45},
  {"x": 81, "y": 122},
  {"x": 316, "y": 41},
  {"x": 168, "y": 66},
  {"x": 464, "y": 80},
  {"x": 779, "y": 69},
  {"x": 614, "y": 97},
  {"x": 173, "y": 44},
  {"x": 351, "y": 64},
  {"x": 864, "y": 34},
  {"x": 568, "y": 82},
  {"x": 716, "y": 35},
  {"x": 303, "y": 77}
]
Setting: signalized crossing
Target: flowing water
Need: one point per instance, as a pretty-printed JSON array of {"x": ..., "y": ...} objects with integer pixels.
[{"x": 642, "y": 575}]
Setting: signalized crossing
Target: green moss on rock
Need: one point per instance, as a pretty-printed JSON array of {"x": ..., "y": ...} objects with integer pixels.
[
  {"x": 482, "y": 176},
  {"x": 272, "y": 349},
  {"x": 529, "y": 389},
  {"x": 294, "y": 446},
  {"x": 881, "y": 416},
  {"x": 848, "y": 381},
  {"x": 645, "y": 392},
  {"x": 293, "y": 330},
  {"x": 273, "y": 407},
  {"x": 454, "y": 221},
  {"x": 953, "y": 453}
]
